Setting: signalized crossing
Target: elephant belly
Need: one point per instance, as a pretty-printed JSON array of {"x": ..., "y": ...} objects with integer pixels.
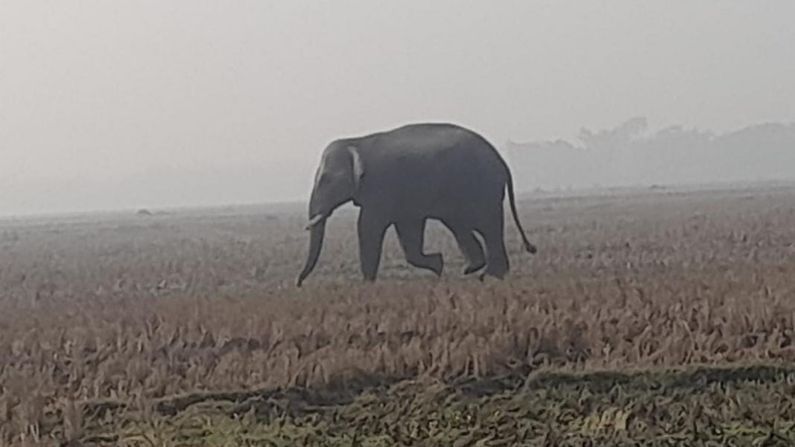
[{"x": 457, "y": 197}]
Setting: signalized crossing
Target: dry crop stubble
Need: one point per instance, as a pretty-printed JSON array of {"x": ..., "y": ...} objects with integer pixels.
[{"x": 99, "y": 317}]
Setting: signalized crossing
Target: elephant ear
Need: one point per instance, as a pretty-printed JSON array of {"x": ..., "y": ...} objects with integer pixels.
[{"x": 358, "y": 168}]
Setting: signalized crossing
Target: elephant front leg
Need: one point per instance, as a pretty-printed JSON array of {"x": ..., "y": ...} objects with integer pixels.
[
  {"x": 411, "y": 234},
  {"x": 371, "y": 230}
]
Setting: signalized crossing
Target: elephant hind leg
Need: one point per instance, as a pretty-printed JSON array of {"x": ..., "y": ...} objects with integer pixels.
[
  {"x": 470, "y": 246},
  {"x": 411, "y": 234},
  {"x": 493, "y": 232}
]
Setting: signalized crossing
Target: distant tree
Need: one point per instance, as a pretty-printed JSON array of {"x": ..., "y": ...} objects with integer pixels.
[{"x": 629, "y": 154}]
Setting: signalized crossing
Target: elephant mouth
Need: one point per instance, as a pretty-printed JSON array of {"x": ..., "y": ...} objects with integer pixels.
[{"x": 314, "y": 221}]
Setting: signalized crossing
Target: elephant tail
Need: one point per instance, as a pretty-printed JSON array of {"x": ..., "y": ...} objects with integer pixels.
[{"x": 511, "y": 197}]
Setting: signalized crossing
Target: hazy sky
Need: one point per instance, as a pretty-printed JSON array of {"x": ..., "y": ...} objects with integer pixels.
[{"x": 192, "y": 102}]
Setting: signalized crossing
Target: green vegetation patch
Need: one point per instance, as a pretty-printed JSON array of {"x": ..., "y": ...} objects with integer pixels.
[{"x": 753, "y": 405}]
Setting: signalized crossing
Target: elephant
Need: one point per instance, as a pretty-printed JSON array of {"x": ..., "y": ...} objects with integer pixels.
[{"x": 407, "y": 175}]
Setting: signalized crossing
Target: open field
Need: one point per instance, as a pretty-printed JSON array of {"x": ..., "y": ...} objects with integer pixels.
[{"x": 656, "y": 315}]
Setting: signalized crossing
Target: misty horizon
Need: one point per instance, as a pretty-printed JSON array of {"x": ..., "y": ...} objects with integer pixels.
[
  {"x": 634, "y": 154},
  {"x": 184, "y": 104},
  {"x": 529, "y": 160}
]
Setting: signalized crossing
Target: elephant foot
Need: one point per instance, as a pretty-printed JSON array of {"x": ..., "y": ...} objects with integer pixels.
[
  {"x": 473, "y": 268},
  {"x": 432, "y": 262},
  {"x": 482, "y": 277},
  {"x": 494, "y": 274},
  {"x": 368, "y": 279}
]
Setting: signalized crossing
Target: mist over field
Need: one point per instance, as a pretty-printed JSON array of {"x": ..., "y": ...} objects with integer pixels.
[
  {"x": 188, "y": 103},
  {"x": 633, "y": 154},
  {"x": 166, "y": 280}
]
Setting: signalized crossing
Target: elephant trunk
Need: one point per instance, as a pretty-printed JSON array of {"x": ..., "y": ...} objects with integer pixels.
[{"x": 317, "y": 233}]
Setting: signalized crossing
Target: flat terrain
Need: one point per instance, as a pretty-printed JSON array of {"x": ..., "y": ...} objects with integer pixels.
[{"x": 663, "y": 316}]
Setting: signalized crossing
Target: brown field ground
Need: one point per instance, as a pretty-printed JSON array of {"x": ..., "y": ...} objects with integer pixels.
[{"x": 658, "y": 316}]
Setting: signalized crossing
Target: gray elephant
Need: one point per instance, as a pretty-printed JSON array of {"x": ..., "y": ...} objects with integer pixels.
[{"x": 403, "y": 177}]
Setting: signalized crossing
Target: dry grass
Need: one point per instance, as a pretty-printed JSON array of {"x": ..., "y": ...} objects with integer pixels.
[{"x": 116, "y": 314}]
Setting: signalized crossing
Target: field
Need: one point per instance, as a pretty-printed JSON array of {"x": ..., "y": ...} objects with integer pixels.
[{"x": 652, "y": 317}]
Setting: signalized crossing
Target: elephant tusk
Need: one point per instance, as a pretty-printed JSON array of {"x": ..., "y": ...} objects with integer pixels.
[{"x": 314, "y": 221}]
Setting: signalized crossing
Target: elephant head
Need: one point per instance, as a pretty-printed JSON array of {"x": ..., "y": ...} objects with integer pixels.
[{"x": 337, "y": 182}]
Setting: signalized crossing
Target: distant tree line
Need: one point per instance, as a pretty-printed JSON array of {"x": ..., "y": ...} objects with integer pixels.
[{"x": 632, "y": 155}]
